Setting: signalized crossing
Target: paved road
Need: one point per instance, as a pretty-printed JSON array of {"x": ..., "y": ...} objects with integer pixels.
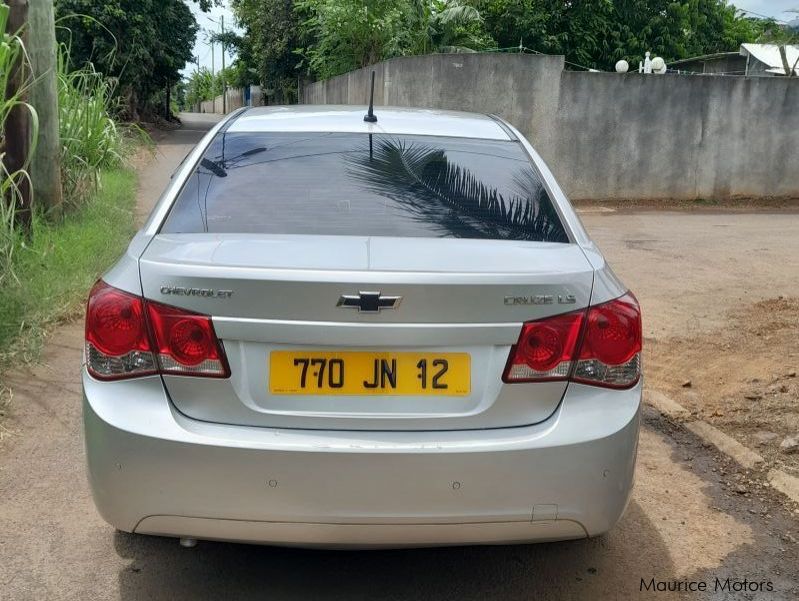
[{"x": 681, "y": 523}]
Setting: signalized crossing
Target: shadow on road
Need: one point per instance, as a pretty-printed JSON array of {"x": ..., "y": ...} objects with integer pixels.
[{"x": 607, "y": 567}]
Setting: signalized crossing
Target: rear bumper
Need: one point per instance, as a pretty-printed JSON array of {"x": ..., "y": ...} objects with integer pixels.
[{"x": 154, "y": 471}]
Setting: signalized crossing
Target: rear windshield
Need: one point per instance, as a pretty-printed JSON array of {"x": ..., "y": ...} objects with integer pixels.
[{"x": 365, "y": 185}]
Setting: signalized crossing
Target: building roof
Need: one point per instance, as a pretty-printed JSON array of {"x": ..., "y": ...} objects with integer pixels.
[
  {"x": 769, "y": 54},
  {"x": 349, "y": 119}
]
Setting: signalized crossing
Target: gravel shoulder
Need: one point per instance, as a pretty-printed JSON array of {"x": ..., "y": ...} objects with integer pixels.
[{"x": 720, "y": 298}]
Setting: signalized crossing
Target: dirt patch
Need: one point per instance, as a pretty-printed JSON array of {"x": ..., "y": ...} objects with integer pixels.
[{"x": 741, "y": 378}]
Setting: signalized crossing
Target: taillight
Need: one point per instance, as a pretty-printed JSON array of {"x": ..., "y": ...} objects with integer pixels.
[
  {"x": 117, "y": 340},
  {"x": 186, "y": 342},
  {"x": 127, "y": 337},
  {"x": 610, "y": 354},
  {"x": 600, "y": 346},
  {"x": 545, "y": 350}
]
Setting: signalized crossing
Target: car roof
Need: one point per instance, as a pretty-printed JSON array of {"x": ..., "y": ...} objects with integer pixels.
[{"x": 349, "y": 119}]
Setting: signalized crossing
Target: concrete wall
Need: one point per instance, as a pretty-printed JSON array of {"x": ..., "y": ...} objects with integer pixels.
[
  {"x": 235, "y": 100},
  {"x": 606, "y": 135}
]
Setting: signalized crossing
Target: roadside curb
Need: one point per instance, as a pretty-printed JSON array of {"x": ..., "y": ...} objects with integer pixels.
[
  {"x": 667, "y": 406},
  {"x": 746, "y": 457},
  {"x": 785, "y": 483},
  {"x": 726, "y": 444}
]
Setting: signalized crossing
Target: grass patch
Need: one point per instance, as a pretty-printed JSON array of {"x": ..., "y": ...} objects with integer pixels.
[{"x": 54, "y": 272}]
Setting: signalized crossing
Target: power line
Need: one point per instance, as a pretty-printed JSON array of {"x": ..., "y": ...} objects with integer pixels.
[
  {"x": 762, "y": 16},
  {"x": 525, "y": 49}
]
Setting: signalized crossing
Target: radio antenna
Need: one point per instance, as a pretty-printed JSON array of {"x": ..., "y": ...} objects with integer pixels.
[{"x": 369, "y": 117}]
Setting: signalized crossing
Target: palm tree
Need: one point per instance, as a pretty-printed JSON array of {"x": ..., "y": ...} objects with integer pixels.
[{"x": 445, "y": 26}]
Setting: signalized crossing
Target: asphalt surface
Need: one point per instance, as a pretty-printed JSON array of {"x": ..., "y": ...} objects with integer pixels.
[{"x": 684, "y": 522}]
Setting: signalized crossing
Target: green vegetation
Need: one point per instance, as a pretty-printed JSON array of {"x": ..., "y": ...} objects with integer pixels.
[
  {"x": 91, "y": 142},
  {"x": 142, "y": 44},
  {"x": 90, "y": 138},
  {"x": 57, "y": 268},
  {"x": 349, "y": 34},
  {"x": 199, "y": 87},
  {"x": 45, "y": 272},
  {"x": 289, "y": 39},
  {"x": 597, "y": 34},
  {"x": 203, "y": 85},
  {"x": 782, "y": 37},
  {"x": 12, "y": 52},
  {"x": 271, "y": 34}
]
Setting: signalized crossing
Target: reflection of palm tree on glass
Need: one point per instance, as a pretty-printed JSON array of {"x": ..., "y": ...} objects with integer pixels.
[{"x": 435, "y": 191}]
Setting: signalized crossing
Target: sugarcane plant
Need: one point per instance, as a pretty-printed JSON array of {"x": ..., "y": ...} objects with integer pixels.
[
  {"x": 12, "y": 56},
  {"x": 91, "y": 139}
]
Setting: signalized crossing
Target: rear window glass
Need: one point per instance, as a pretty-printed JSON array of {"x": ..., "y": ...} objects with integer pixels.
[{"x": 365, "y": 185}]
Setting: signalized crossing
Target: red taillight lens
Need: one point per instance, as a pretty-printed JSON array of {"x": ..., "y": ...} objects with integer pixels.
[
  {"x": 129, "y": 337},
  {"x": 186, "y": 342},
  {"x": 115, "y": 321},
  {"x": 545, "y": 349},
  {"x": 117, "y": 343},
  {"x": 613, "y": 335},
  {"x": 600, "y": 346},
  {"x": 611, "y": 350}
]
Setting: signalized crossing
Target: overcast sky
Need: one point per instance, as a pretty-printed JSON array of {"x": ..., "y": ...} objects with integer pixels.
[
  {"x": 769, "y": 8},
  {"x": 201, "y": 47}
]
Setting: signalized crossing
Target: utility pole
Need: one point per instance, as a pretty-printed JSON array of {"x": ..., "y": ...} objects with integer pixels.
[
  {"x": 224, "y": 79},
  {"x": 199, "y": 100},
  {"x": 46, "y": 162},
  {"x": 17, "y": 143}
]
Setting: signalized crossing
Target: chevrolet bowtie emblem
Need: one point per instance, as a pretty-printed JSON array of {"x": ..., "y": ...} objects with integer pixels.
[{"x": 369, "y": 302}]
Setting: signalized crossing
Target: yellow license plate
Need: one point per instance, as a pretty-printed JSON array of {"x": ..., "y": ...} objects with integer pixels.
[{"x": 369, "y": 373}]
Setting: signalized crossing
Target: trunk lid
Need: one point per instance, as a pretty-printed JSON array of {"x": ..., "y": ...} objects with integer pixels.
[{"x": 269, "y": 294}]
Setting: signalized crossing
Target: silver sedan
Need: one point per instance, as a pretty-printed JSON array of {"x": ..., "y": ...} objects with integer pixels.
[{"x": 336, "y": 332}]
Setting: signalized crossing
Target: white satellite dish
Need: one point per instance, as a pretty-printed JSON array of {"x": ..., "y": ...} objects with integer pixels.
[
  {"x": 658, "y": 65},
  {"x": 622, "y": 66}
]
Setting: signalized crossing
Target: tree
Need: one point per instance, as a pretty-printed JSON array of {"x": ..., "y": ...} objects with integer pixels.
[
  {"x": 323, "y": 38},
  {"x": 782, "y": 36},
  {"x": 549, "y": 26},
  {"x": 446, "y": 26},
  {"x": 341, "y": 35},
  {"x": 285, "y": 40},
  {"x": 266, "y": 50},
  {"x": 597, "y": 34},
  {"x": 241, "y": 73},
  {"x": 143, "y": 44},
  {"x": 200, "y": 86}
]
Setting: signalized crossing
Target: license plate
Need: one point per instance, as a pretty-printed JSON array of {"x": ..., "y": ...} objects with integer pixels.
[{"x": 369, "y": 373}]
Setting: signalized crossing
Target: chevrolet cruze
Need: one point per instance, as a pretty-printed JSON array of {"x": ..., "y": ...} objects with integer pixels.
[{"x": 337, "y": 332}]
